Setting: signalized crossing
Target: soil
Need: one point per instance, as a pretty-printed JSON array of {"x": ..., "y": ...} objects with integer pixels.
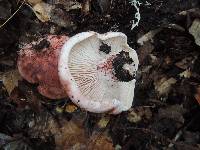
[{"x": 165, "y": 112}]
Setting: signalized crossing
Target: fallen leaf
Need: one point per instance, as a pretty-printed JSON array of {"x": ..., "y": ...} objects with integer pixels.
[
  {"x": 100, "y": 142},
  {"x": 67, "y": 134},
  {"x": 71, "y": 108},
  {"x": 134, "y": 117},
  {"x": 144, "y": 51},
  {"x": 195, "y": 31},
  {"x": 191, "y": 137},
  {"x": 69, "y": 4},
  {"x": 61, "y": 17},
  {"x": 139, "y": 113},
  {"x": 186, "y": 74},
  {"x": 34, "y": 2},
  {"x": 46, "y": 12},
  {"x": 59, "y": 109},
  {"x": 42, "y": 11},
  {"x": 86, "y": 6},
  {"x": 163, "y": 86},
  {"x": 71, "y": 135},
  {"x": 184, "y": 63},
  {"x": 194, "y": 11},
  {"x": 103, "y": 121},
  {"x": 148, "y": 36},
  {"x": 10, "y": 80}
]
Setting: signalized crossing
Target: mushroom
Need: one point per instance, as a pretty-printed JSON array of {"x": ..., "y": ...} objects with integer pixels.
[{"x": 96, "y": 71}]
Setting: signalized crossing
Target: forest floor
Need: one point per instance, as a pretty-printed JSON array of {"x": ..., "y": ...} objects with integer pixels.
[{"x": 165, "y": 112}]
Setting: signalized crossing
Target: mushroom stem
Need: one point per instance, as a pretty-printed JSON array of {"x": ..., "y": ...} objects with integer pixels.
[{"x": 38, "y": 63}]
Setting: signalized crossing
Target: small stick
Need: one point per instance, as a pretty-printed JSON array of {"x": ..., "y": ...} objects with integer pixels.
[{"x": 12, "y": 14}]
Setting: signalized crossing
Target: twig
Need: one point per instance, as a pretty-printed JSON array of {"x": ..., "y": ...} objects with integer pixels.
[{"x": 12, "y": 14}]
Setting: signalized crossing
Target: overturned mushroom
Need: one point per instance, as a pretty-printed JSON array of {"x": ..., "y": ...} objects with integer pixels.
[{"x": 97, "y": 71}]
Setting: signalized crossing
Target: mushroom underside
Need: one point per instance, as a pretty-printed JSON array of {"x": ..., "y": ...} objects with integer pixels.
[{"x": 101, "y": 70}]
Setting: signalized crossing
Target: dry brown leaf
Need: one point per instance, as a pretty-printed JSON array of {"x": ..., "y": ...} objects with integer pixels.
[
  {"x": 47, "y": 12},
  {"x": 71, "y": 108},
  {"x": 42, "y": 11},
  {"x": 10, "y": 80},
  {"x": 163, "y": 86},
  {"x": 100, "y": 142},
  {"x": 72, "y": 135},
  {"x": 34, "y": 2}
]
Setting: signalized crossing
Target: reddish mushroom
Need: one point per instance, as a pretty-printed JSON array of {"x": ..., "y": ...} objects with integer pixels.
[{"x": 96, "y": 71}]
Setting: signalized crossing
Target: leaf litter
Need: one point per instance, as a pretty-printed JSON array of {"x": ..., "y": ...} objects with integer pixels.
[{"x": 167, "y": 92}]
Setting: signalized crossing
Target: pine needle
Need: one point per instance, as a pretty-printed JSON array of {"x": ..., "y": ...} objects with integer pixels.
[{"x": 12, "y": 14}]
